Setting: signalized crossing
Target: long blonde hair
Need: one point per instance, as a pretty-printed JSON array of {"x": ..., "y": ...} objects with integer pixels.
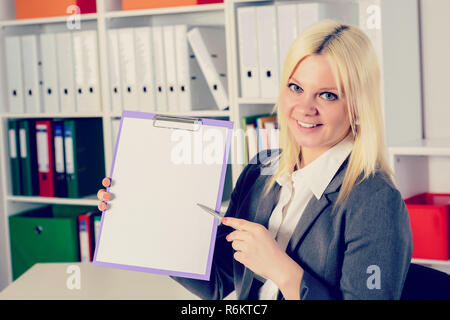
[{"x": 356, "y": 71}]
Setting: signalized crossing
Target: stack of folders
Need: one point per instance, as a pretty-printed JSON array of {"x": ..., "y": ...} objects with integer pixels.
[
  {"x": 88, "y": 231},
  {"x": 267, "y": 32},
  {"x": 53, "y": 72},
  {"x": 167, "y": 68},
  {"x": 56, "y": 158},
  {"x": 261, "y": 133}
]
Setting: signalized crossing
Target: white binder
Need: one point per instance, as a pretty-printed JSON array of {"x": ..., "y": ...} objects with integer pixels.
[
  {"x": 66, "y": 73},
  {"x": 115, "y": 123},
  {"x": 86, "y": 71},
  {"x": 49, "y": 73},
  {"x": 268, "y": 51},
  {"x": 248, "y": 52},
  {"x": 32, "y": 73},
  {"x": 160, "y": 69},
  {"x": 14, "y": 75},
  {"x": 115, "y": 88},
  {"x": 171, "y": 68},
  {"x": 208, "y": 44},
  {"x": 145, "y": 71},
  {"x": 287, "y": 30},
  {"x": 128, "y": 68},
  {"x": 193, "y": 91}
]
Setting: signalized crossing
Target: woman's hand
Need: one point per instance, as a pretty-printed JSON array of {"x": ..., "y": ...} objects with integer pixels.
[
  {"x": 257, "y": 250},
  {"x": 102, "y": 195}
]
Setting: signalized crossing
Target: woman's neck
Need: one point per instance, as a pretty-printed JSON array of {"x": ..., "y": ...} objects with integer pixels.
[{"x": 309, "y": 155}]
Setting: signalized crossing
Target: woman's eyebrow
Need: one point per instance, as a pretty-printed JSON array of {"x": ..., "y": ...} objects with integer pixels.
[{"x": 329, "y": 88}]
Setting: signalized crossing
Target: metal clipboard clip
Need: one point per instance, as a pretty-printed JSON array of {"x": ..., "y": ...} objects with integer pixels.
[{"x": 181, "y": 123}]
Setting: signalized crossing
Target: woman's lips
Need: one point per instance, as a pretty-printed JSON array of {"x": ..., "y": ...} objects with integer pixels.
[{"x": 308, "y": 127}]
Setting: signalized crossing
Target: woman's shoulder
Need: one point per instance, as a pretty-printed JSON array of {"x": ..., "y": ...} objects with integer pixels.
[
  {"x": 265, "y": 158},
  {"x": 264, "y": 163},
  {"x": 376, "y": 188}
]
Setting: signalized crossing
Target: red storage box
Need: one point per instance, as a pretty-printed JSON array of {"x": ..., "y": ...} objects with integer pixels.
[
  {"x": 27, "y": 9},
  {"x": 430, "y": 223},
  {"x": 151, "y": 4}
]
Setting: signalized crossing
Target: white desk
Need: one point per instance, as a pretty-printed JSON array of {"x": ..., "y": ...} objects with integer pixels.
[{"x": 49, "y": 281}]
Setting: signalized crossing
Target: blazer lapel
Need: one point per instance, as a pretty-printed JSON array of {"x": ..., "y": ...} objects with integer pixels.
[
  {"x": 315, "y": 207},
  {"x": 264, "y": 209}
]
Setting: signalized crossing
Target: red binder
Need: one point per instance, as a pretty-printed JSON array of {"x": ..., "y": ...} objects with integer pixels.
[
  {"x": 46, "y": 163},
  {"x": 86, "y": 239}
]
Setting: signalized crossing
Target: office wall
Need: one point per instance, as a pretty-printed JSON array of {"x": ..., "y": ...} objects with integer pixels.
[{"x": 435, "y": 28}]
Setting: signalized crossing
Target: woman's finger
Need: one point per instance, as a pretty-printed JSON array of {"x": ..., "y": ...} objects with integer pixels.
[
  {"x": 238, "y": 224},
  {"x": 106, "y": 182},
  {"x": 238, "y": 235},
  {"x": 100, "y": 194},
  {"x": 103, "y": 195},
  {"x": 102, "y": 206},
  {"x": 238, "y": 245}
]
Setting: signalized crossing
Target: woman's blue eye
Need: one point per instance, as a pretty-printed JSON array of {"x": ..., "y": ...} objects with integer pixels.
[
  {"x": 294, "y": 87},
  {"x": 329, "y": 96}
]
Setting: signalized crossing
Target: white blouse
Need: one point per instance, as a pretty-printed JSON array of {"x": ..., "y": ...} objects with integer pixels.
[{"x": 296, "y": 191}]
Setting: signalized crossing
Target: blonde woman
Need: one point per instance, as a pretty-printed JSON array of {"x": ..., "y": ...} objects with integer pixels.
[{"x": 320, "y": 218}]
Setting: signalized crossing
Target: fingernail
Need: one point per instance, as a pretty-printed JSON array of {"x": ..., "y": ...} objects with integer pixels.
[{"x": 106, "y": 196}]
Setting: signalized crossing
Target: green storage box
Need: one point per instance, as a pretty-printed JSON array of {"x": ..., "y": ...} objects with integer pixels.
[{"x": 48, "y": 234}]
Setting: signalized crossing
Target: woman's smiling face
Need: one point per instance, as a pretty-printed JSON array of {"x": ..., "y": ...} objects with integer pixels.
[{"x": 316, "y": 115}]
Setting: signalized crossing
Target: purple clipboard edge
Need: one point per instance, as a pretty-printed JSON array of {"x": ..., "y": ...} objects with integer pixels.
[{"x": 206, "y": 276}]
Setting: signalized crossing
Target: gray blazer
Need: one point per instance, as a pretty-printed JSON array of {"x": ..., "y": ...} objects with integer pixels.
[{"x": 362, "y": 251}]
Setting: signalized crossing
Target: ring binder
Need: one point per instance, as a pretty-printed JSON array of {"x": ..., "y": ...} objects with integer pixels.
[{"x": 181, "y": 122}]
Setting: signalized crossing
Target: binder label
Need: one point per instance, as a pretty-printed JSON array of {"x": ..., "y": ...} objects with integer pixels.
[
  {"x": 12, "y": 144},
  {"x": 84, "y": 242},
  {"x": 68, "y": 140},
  {"x": 23, "y": 143},
  {"x": 42, "y": 148},
  {"x": 59, "y": 154}
]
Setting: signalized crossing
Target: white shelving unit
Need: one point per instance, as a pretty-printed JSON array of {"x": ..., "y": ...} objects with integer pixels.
[
  {"x": 422, "y": 166},
  {"x": 400, "y": 16}
]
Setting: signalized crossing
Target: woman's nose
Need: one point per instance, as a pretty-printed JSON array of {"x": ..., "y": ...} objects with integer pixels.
[{"x": 307, "y": 107}]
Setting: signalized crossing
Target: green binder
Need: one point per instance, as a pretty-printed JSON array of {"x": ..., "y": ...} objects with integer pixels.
[
  {"x": 14, "y": 157},
  {"x": 84, "y": 155},
  {"x": 47, "y": 234},
  {"x": 28, "y": 158}
]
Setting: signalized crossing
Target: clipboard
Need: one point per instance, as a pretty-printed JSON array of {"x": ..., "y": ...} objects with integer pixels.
[{"x": 163, "y": 166}]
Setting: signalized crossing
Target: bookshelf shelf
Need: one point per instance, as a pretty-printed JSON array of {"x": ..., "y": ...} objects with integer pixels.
[
  {"x": 431, "y": 262},
  {"x": 50, "y": 115},
  {"x": 271, "y": 101},
  {"x": 163, "y": 11},
  {"x": 48, "y": 20},
  {"x": 195, "y": 113},
  {"x": 89, "y": 200},
  {"x": 423, "y": 147}
]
